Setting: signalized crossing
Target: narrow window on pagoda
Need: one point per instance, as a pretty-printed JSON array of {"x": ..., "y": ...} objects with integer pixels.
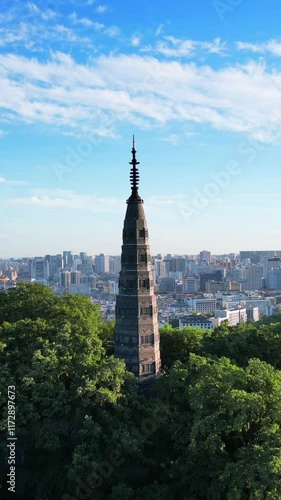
[
  {"x": 142, "y": 233},
  {"x": 144, "y": 284},
  {"x": 146, "y": 339},
  {"x": 148, "y": 368},
  {"x": 146, "y": 311},
  {"x": 143, "y": 258}
]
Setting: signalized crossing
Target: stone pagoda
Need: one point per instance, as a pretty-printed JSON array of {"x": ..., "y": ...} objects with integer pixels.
[{"x": 136, "y": 331}]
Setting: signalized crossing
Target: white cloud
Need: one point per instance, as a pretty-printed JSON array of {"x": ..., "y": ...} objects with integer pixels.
[
  {"x": 101, "y": 9},
  {"x": 20, "y": 34},
  {"x": 69, "y": 34},
  {"x": 3, "y": 180},
  {"x": 33, "y": 36},
  {"x": 113, "y": 31},
  {"x": 84, "y": 21},
  {"x": 48, "y": 14},
  {"x": 135, "y": 40},
  {"x": 271, "y": 46},
  {"x": 61, "y": 199},
  {"x": 173, "y": 139},
  {"x": 143, "y": 90},
  {"x": 159, "y": 30},
  {"x": 33, "y": 7},
  {"x": 175, "y": 47},
  {"x": 69, "y": 199},
  {"x": 7, "y": 17}
]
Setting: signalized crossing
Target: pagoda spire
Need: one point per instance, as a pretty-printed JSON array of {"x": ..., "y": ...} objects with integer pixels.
[{"x": 134, "y": 173}]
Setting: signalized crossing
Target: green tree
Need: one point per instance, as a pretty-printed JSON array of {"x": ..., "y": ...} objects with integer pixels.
[
  {"x": 176, "y": 344},
  {"x": 226, "y": 428},
  {"x": 52, "y": 353}
]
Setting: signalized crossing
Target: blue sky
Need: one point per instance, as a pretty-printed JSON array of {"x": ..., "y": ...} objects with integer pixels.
[{"x": 199, "y": 84}]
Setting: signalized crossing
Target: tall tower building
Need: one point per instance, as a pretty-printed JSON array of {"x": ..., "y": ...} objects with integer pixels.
[
  {"x": 40, "y": 271},
  {"x": 136, "y": 331}
]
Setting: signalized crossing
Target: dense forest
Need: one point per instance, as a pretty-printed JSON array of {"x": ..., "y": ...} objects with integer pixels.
[{"x": 212, "y": 430}]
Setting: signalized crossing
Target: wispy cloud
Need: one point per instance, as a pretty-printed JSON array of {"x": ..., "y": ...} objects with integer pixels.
[
  {"x": 3, "y": 180},
  {"x": 173, "y": 139},
  {"x": 176, "y": 139},
  {"x": 60, "y": 199},
  {"x": 135, "y": 40},
  {"x": 70, "y": 200},
  {"x": 7, "y": 17},
  {"x": 114, "y": 89},
  {"x": 113, "y": 31},
  {"x": 48, "y": 14},
  {"x": 170, "y": 46},
  {"x": 159, "y": 30},
  {"x": 101, "y": 9},
  {"x": 271, "y": 46},
  {"x": 84, "y": 21}
]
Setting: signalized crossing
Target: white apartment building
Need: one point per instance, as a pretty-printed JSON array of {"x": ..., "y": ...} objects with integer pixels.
[
  {"x": 203, "y": 305},
  {"x": 265, "y": 306},
  {"x": 233, "y": 316},
  {"x": 253, "y": 313}
]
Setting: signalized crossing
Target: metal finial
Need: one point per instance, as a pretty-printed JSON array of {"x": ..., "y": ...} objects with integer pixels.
[{"x": 134, "y": 174}]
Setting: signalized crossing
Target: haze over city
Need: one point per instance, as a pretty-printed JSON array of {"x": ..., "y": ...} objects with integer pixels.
[{"x": 199, "y": 86}]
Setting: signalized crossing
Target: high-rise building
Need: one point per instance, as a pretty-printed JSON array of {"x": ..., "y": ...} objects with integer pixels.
[
  {"x": 136, "y": 331},
  {"x": 75, "y": 277},
  {"x": 67, "y": 259},
  {"x": 253, "y": 277},
  {"x": 167, "y": 285},
  {"x": 102, "y": 264},
  {"x": 205, "y": 256},
  {"x": 255, "y": 256},
  {"x": 204, "y": 277},
  {"x": 115, "y": 264},
  {"x": 65, "y": 278},
  {"x": 56, "y": 263},
  {"x": 191, "y": 284},
  {"x": 40, "y": 271}
]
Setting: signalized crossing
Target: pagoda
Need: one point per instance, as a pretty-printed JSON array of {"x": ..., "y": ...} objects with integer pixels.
[{"x": 136, "y": 332}]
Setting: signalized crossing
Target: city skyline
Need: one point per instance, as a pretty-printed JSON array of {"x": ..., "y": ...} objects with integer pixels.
[
  {"x": 201, "y": 94},
  {"x": 163, "y": 254}
]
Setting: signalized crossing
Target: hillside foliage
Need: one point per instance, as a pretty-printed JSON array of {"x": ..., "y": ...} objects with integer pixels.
[{"x": 84, "y": 432}]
